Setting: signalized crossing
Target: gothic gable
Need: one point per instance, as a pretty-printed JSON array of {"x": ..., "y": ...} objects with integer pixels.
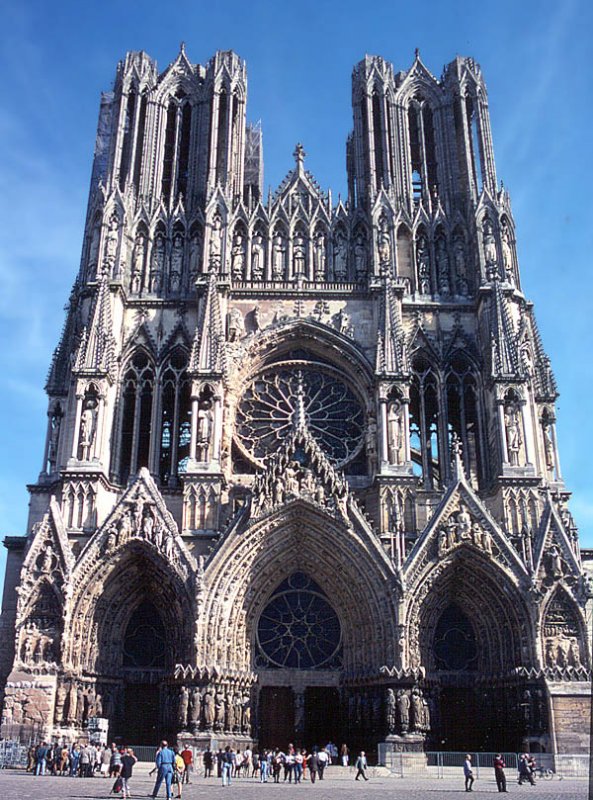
[{"x": 554, "y": 558}]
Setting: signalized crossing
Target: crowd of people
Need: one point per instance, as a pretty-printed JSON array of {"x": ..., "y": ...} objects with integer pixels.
[{"x": 526, "y": 768}]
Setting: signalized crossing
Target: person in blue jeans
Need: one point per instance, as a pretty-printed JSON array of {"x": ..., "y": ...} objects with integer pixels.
[
  {"x": 227, "y": 766},
  {"x": 165, "y": 761},
  {"x": 41, "y": 758}
]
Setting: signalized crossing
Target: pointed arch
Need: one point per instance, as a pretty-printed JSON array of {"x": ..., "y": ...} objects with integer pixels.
[{"x": 136, "y": 393}]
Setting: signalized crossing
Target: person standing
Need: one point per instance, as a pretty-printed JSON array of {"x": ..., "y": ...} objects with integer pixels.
[
  {"x": 263, "y": 767},
  {"x": 345, "y": 755},
  {"x": 468, "y": 772},
  {"x": 525, "y": 773},
  {"x": 165, "y": 761},
  {"x": 188, "y": 761},
  {"x": 227, "y": 766},
  {"x": 114, "y": 761},
  {"x": 499, "y": 767},
  {"x": 127, "y": 764},
  {"x": 178, "y": 772},
  {"x": 208, "y": 762},
  {"x": 361, "y": 766},
  {"x": 41, "y": 758}
]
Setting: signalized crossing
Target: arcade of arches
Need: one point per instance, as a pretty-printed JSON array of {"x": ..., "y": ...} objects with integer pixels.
[{"x": 301, "y": 479}]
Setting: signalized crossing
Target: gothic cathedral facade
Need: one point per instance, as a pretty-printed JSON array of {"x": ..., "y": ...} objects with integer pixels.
[{"x": 300, "y": 454}]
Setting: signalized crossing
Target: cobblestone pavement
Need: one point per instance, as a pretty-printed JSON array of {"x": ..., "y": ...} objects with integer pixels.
[{"x": 17, "y": 785}]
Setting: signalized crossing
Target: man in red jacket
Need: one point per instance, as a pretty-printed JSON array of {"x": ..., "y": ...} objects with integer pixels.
[{"x": 499, "y": 766}]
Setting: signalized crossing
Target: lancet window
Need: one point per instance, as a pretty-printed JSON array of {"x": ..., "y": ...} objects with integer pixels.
[
  {"x": 463, "y": 414},
  {"x": 422, "y": 148},
  {"x": 175, "y": 427},
  {"x": 136, "y": 415},
  {"x": 424, "y": 423},
  {"x": 474, "y": 142},
  {"x": 175, "y": 173}
]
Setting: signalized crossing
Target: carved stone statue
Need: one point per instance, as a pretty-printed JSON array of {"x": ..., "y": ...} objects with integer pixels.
[
  {"x": 423, "y": 265},
  {"x": 394, "y": 432},
  {"x": 391, "y": 711},
  {"x": 278, "y": 256},
  {"x": 205, "y": 430},
  {"x": 513, "y": 434},
  {"x": 340, "y": 257},
  {"x": 319, "y": 256},
  {"x": 299, "y": 255},
  {"x": 183, "y": 706},
  {"x": 111, "y": 243},
  {"x": 195, "y": 255},
  {"x": 384, "y": 246},
  {"x": 360, "y": 257},
  {"x": 219, "y": 709},
  {"x": 257, "y": 257},
  {"x": 238, "y": 256},
  {"x": 489, "y": 242},
  {"x": 229, "y": 719},
  {"x": 209, "y": 711},
  {"x": 236, "y": 325},
  {"x": 157, "y": 268},
  {"x": 54, "y": 438},
  {"x": 87, "y": 428},
  {"x": 138, "y": 263},
  {"x": 464, "y": 524},
  {"x": 442, "y": 259},
  {"x": 176, "y": 264},
  {"x": 403, "y": 706},
  {"x": 215, "y": 243},
  {"x": 507, "y": 254},
  {"x": 554, "y": 566}
]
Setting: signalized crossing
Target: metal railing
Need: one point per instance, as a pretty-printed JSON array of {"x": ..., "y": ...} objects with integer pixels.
[
  {"x": 450, "y": 764},
  {"x": 12, "y": 754}
]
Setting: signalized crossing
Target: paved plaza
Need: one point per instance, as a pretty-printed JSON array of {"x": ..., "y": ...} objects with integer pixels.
[{"x": 18, "y": 785}]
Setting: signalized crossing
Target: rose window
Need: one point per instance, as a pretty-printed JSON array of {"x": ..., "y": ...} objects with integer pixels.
[
  {"x": 299, "y": 629},
  {"x": 270, "y": 406}
]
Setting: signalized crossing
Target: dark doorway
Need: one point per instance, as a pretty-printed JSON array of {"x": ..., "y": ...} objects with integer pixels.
[
  {"x": 140, "y": 723},
  {"x": 459, "y": 720},
  {"x": 476, "y": 719},
  {"x": 276, "y": 716},
  {"x": 322, "y": 716}
]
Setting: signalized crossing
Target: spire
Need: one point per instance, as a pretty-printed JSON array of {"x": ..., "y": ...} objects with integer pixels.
[
  {"x": 391, "y": 347},
  {"x": 96, "y": 352},
  {"x": 299, "y": 158},
  {"x": 207, "y": 353},
  {"x": 505, "y": 355}
]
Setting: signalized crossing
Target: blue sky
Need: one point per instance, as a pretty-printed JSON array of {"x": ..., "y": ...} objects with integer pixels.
[{"x": 55, "y": 58}]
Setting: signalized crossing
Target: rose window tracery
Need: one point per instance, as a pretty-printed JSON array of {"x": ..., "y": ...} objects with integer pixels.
[
  {"x": 298, "y": 628},
  {"x": 271, "y": 403}
]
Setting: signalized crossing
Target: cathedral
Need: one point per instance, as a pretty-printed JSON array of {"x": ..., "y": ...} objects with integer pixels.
[{"x": 301, "y": 478}]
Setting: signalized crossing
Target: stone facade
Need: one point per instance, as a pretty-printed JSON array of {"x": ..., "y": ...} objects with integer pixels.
[{"x": 299, "y": 453}]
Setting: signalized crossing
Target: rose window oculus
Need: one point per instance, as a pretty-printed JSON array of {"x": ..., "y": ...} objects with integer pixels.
[
  {"x": 299, "y": 629},
  {"x": 269, "y": 409}
]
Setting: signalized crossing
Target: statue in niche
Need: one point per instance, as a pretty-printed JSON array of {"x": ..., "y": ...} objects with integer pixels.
[
  {"x": 403, "y": 706},
  {"x": 442, "y": 259},
  {"x": 215, "y": 243},
  {"x": 176, "y": 264},
  {"x": 443, "y": 544},
  {"x": 423, "y": 265},
  {"x": 209, "y": 711},
  {"x": 548, "y": 443},
  {"x": 460, "y": 266},
  {"x": 340, "y": 257},
  {"x": 344, "y": 325},
  {"x": 229, "y": 713},
  {"x": 256, "y": 319},
  {"x": 87, "y": 428},
  {"x": 148, "y": 526},
  {"x": 417, "y": 710},
  {"x": 111, "y": 243},
  {"x": 384, "y": 246},
  {"x": 507, "y": 253},
  {"x": 391, "y": 711},
  {"x": 299, "y": 255},
  {"x": 290, "y": 480},
  {"x": 138, "y": 263},
  {"x": 158, "y": 264},
  {"x": 513, "y": 434},
  {"x": 238, "y": 256},
  {"x": 257, "y": 257},
  {"x": 394, "y": 432},
  {"x": 319, "y": 256},
  {"x": 183, "y": 706},
  {"x": 278, "y": 256},
  {"x": 196, "y": 709},
  {"x": 72, "y": 703},
  {"x": 61, "y": 695},
  {"x": 489, "y": 242},
  {"x": 451, "y": 532},
  {"x": 219, "y": 708},
  {"x": 246, "y": 720},
  {"x": 54, "y": 437},
  {"x": 236, "y": 325},
  {"x": 360, "y": 257},
  {"x": 573, "y": 655},
  {"x": 555, "y": 568},
  {"x": 195, "y": 257},
  {"x": 205, "y": 430}
]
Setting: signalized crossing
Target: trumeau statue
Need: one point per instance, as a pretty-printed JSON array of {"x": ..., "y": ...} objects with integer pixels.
[{"x": 263, "y": 421}]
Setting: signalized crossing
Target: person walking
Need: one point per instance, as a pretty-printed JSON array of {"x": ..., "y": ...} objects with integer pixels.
[
  {"x": 263, "y": 767},
  {"x": 499, "y": 767},
  {"x": 468, "y": 772},
  {"x": 178, "y": 771},
  {"x": 188, "y": 761},
  {"x": 525, "y": 773},
  {"x": 361, "y": 766},
  {"x": 114, "y": 761},
  {"x": 313, "y": 763},
  {"x": 165, "y": 761},
  {"x": 127, "y": 764},
  {"x": 227, "y": 766},
  {"x": 323, "y": 760}
]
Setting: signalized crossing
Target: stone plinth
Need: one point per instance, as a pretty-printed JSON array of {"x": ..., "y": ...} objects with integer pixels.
[{"x": 204, "y": 740}]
